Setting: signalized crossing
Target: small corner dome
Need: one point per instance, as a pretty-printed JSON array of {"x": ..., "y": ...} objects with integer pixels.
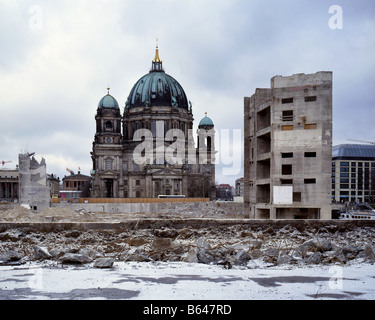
[
  {"x": 206, "y": 122},
  {"x": 108, "y": 102}
]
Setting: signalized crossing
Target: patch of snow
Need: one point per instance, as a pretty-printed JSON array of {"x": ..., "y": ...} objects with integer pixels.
[{"x": 187, "y": 281}]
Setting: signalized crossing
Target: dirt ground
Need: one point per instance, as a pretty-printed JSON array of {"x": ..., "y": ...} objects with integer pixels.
[{"x": 54, "y": 214}]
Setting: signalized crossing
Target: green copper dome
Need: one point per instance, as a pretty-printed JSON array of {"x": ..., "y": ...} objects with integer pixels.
[
  {"x": 157, "y": 89},
  {"x": 108, "y": 102},
  {"x": 206, "y": 122}
]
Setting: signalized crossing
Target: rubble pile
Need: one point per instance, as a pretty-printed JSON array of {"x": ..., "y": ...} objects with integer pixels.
[
  {"x": 211, "y": 209},
  {"x": 228, "y": 246},
  {"x": 22, "y": 214}
]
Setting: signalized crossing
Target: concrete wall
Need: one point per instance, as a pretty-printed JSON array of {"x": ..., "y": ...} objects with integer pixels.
[{"x": 227, "y": 207}]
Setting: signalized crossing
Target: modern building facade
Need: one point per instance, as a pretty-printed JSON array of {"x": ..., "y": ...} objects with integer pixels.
[
  {"x": 288, "y": 148},
  {"x": 353, "y": 173},
  {"x": 149, "y": 150}
]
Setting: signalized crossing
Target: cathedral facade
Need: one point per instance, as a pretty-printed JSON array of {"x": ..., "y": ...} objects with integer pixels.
[{"x": 148, "y": 150}]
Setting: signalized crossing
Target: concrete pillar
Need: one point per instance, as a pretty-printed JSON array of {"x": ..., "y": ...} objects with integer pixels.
[
  {"x": 326, "y": 212},
  {"x": 273, "y": 213}
]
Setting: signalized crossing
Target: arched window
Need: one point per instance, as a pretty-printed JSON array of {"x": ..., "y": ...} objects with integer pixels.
[
  {"x": 209, "y": 143},
  {"x": 109, "y": 125}
]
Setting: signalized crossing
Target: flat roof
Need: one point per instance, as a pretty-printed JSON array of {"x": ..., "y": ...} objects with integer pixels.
[{"x": 353, "y": 152}]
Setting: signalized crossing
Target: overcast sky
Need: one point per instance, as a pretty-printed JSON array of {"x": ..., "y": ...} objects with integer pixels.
[{"x": 58, "y": 57}]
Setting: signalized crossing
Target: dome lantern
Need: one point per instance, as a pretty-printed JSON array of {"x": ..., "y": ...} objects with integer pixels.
[
  {"x": 157, "y": 64},
  {"x": 157, "y": 89}
]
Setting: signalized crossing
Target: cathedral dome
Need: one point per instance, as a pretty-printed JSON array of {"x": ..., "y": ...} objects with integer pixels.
[
  {"x": 157, "y": 89},
  {"x": 108, "y": 102},
  {"x": 206, "y": 122}
]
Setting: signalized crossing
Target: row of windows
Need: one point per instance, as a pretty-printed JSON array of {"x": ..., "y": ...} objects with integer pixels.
[
  {"x": 354, "y": 176},
  {"x": 291, "y": 100},
  {"x": 308, "y": 126},
  {"x": 353, "y": 186},
  {"x": 75, "y": 184},
  {"x": 175, "y": 182},
  {"x": 352, "y": 193},
  {"x": 290, "y": 181},
  {"x": 359, "y": 170},
  {"x": 155, "y": 126},
  {"x": 344, "y": 178},
  {"x": 287, "y": 169},
  {"x": 354, "y": 164},
  {"x": 288, "y": 155},
  {"x": 136, "y": 167}
]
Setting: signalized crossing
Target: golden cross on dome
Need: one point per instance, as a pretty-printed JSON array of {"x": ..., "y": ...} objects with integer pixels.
[{"x": 157, "y": 58}]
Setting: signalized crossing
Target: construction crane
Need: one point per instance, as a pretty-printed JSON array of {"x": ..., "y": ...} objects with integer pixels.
[
  {"x": 4, "y": 162},
  {"x": 71, "y": 171},
  {"x": 370, "y": 142}
]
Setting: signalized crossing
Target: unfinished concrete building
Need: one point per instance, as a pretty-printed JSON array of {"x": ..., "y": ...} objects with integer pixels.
[
  {"x": 288, "y": 148},
  {"x": 33, "y": 188}
]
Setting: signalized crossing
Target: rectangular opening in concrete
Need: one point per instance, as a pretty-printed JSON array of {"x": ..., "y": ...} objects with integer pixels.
[
  {"x": 263, "y": 214},
  {"x": 287, "y": 128},
  {"x": 286, "y": 169},
  {"x": 297, "y": 196},
  {"x": 310, "y": 154},
  {"x": 288, "y": 115},
  {"x": 310, "y": 99},
  {"x": 297, "y": 213},
  {"x": 310, "y": 126},
  {"x": 264, "y": 118},
  {"x": 286, "y": 182},
  {"x": 264, "y": 169},
  {"x": 263, "y": 193},
  {"x": 310, "y": 181},
  {"x": 287, "y": 100},
  {"x": 287, "y": 155},
  {"x": 264, "y": 144}
]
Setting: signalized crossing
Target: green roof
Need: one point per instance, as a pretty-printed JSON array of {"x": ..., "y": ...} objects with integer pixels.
[
  {"x": 206, "y": 122},
  {"x": 108, "y": 102},
  {"x": 157, "y": 89}
]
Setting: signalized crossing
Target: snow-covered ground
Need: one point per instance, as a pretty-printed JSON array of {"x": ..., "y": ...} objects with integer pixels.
[{"x": 186, "y": 281}]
